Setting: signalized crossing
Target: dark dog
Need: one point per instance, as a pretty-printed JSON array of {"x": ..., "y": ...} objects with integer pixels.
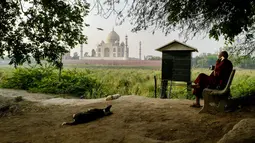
[{"x": 89, "y": 115}]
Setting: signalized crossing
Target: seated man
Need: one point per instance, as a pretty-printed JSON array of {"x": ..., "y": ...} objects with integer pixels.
[{"x": 218, "y": 78}]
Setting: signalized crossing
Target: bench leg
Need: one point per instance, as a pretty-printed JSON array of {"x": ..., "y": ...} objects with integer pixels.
[
  {"x": 208, "y": 100},
  {"x": 221, "y": 106},
  {"x": 206, "y": 104}
]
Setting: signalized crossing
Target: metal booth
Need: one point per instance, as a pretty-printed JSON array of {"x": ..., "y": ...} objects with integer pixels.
[{"x": 176, "y": 65}]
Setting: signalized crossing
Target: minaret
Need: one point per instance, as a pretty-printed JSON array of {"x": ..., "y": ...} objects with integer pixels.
[
  {"x": 81, "y": 57},
  {"x": 126, "y": 48},
  {"x": 140, "y": 50}
]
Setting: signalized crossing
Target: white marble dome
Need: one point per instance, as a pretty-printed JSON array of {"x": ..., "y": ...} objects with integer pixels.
[{"x": 112, "y": 37}]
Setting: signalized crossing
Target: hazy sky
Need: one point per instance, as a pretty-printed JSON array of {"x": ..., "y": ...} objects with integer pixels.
[{"x": 149, "y": 41}]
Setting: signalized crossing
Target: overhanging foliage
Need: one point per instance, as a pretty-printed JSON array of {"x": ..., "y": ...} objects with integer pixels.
[
  {"x": 216, "y": 18},
  {"x": 42, "y": 29}
]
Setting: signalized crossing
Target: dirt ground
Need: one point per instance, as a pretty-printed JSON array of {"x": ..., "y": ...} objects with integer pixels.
[{"x": 135, "y": 119}]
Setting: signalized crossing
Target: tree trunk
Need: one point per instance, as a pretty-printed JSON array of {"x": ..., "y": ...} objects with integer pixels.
[{"x": 60, "y": 68}]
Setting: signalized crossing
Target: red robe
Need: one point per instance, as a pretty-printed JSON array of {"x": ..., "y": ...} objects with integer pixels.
[{"x": 222, "y": 71}]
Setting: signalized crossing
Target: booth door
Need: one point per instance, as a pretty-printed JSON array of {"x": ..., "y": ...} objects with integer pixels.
[{"x": 167, "y": 67}]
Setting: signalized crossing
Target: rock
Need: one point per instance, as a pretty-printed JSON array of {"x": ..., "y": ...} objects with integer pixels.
[
  {"x": 242, "y": 132},
  {"x": 113, "y": 97}
]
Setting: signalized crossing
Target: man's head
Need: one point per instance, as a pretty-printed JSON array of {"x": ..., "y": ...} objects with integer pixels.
[{"x": 223, "y": 54}]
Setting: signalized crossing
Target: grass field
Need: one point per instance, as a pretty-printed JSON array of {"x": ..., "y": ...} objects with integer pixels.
[{"x": 125, "y": 80}]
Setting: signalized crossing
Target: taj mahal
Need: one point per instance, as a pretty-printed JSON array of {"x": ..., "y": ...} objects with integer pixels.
[{"x": 111, "y": 49}]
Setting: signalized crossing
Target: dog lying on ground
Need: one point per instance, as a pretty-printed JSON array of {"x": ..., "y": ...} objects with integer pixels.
[{"x": 90, "y": 115}]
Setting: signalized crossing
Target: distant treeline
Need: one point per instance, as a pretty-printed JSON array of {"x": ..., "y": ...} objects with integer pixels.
[{"x": 205, "y": 60}]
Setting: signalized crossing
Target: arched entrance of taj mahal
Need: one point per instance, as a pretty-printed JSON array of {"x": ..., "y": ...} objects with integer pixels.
[{"x": 106, "y": 52}]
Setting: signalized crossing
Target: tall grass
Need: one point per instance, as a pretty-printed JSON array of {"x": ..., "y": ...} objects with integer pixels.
[
  {"x": 100, "y": 82},
  {"x": 46, "y": 80}
]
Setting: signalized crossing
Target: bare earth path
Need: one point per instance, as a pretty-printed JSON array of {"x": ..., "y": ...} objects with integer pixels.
[{"x": 135, "y": 119}]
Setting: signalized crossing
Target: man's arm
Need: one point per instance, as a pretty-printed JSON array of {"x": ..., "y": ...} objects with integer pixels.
[{"x": 219, "y": 68}]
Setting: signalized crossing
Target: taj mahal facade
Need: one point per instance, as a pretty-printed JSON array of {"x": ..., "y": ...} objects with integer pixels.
[{"x": 111, "y": 49}]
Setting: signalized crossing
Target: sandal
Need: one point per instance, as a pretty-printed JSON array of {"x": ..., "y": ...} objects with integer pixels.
[{"x": 195, "y": 105}]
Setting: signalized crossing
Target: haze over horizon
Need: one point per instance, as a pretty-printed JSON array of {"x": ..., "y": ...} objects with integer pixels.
[{"x": 149, "y": 41}]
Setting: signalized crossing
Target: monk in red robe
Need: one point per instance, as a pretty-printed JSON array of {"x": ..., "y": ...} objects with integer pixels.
[{"x": 217, "y": 79}]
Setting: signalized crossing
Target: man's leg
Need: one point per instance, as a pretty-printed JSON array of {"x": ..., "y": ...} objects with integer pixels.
[
  {"x": 197, "y": 93},
  {"x": 201, "y": 82}
]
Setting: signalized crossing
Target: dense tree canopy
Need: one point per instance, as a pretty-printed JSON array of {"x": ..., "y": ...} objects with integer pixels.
[
  {"x": 41, "y": 29},
  {"x": 227, "y": 18},
  {"x": 219, "y": 17},
  {"x": 244, "y": 46}
]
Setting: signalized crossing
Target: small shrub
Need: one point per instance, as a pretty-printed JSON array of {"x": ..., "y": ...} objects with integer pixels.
[{"x": 46, "y": 81}]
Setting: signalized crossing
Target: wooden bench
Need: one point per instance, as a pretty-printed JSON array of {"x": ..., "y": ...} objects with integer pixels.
[{"x": 215, "y": 99}]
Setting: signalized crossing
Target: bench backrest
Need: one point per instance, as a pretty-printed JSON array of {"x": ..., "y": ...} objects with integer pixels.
[{"x": 230, "y": 79}]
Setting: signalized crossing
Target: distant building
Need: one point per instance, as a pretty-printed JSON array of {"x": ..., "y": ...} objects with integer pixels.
[{"x": 111, "y": 48}]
